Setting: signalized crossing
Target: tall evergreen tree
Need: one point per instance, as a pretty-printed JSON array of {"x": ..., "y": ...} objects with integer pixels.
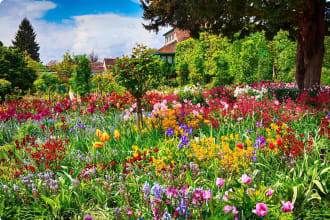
[{"x": 25, "y": 40}]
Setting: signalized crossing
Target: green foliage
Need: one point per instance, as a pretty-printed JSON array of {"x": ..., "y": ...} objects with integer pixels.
[
  {"x": 246, "y": 60},
  {"x": 14, "y": 68},
  {"x": 325, "y": 77},
  {"x": 67, "y": 66},
  {"x": 25, "y": 40},
  {"x": 82, "y": 76},
  {"x": 138, "y": 73},
  {"x": 4, "y": 87},
  {"x": 106, "y": 83},
  {"x": 283, "y": 52},
  {"x": 47, "y": 81}
]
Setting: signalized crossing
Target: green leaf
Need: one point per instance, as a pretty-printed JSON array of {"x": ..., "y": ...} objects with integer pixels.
[
  {"x": 325, "y": 170},
  {"x": 295, "y": 193},
  {"x": 319, "y": 185}
]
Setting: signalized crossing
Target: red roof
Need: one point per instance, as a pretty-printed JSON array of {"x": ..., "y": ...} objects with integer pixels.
[
  {"x": 181, "y": 35},
  {"x": 109, "y": 62},
  {"x": 97, "y": 67},
  {"x": 168, "y": 48}
]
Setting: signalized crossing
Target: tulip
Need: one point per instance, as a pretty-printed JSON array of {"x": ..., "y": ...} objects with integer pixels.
[
  {"x": 117, "y": 134},
  {"x": 105, "y": 137},
  {"x": 246, "y": 179},
  {"x": 219, "y": 182},
  {"x": 98, "y": 144},
  {"x": 261, "y": 209},
  {"x": 287, "y": 206},
  {"x": 98, "y": 133},
  {"x": 271, "y": 145}
]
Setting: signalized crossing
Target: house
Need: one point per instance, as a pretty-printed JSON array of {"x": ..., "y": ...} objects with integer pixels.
[
  {"x": 102, "y": 67},
  {"x": 108, "y": 63},
  {"x": 97, "y": 67},
  {"x": 172, "y": 37}
]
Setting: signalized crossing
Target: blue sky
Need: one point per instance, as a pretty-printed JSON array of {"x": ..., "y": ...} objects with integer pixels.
[
  {"x": 65, "y": 9},
  {"x": 110, "y": 28}
]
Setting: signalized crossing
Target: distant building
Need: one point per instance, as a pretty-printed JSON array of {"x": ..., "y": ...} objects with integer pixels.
[
  {"x": 97, "y": 67},
  {"x": 172, "y": 37},
  {"x": 108, "y": 63},
  {"x": 102, "y": 67}
]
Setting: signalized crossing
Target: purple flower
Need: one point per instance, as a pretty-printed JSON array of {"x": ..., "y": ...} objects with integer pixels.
[
  {"x": 260, "y": 142},
  {"x": 88, "y": 217},
  {"x": 170, "y": 132},
  {"x": 261, "y": 209},
  {"x": 258, "y": 124},
  {"x": 287, "y": 206},
  {"x": 249, "y": 131}
]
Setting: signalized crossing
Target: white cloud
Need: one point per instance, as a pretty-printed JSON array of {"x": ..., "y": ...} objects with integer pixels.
[
  {"x": 108, "y": 35},
  {"x": 135, "y": 1}
]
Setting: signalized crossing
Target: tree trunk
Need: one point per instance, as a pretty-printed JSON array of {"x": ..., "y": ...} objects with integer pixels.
[
  {"x": 310, "y": 45},
  {"x": 139, "y": 121}
]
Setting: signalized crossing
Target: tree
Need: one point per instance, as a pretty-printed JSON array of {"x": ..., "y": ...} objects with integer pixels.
[
  {"x": 82, "y": 76},
  {"x": 14, "y": 68},
  {"x": 93, "y": 58},
  {"x": 25, "y": 40},
  {"x": 305, "y": 20},
  {"x": 138, "y": 73},
  {"x": 67, "y": 66},
  {"x": 47, "y": 81}
]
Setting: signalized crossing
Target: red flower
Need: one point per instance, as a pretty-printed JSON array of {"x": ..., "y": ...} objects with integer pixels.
[
  {"x": 156, "y": 150},
  {"x": 240, "y": 146},
  {"x": 279, "y": 142},
  {"x": 271, "y": 145}
]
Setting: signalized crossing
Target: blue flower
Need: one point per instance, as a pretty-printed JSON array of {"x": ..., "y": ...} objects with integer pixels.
[{"x": 170, "y": 132}]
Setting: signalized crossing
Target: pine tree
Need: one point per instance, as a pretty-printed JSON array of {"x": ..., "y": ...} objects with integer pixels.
[{"x": 25, "y": 40}]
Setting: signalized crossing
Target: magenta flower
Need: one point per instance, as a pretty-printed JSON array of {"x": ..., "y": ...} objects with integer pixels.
[
  {"x": 287, "y": 206},
  {"x": 246, "y": 179},
  {"x": 88, "y": 217},
  {"x": 207, "y": 195},
  {"x": 229, "y": 208},
  {"x": 219, "y": 182},
  {"x": 261, "y": 209},
  {"x": 269, "y": 192}
]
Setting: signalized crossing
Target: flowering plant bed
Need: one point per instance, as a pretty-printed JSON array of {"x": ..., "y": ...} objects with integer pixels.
[{"x": 233, "y": 153}]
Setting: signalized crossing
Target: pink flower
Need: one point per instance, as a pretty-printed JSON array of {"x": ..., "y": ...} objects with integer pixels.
[
  {"x": 261, "y": 209},
  {"x": 229, "y": 208},
  {"x": 207, "y": 195},
  {"x": 269, "y": 192},
  {"x": 287, "y": 206},
  {"x": 220, "y": 182},
  {"x": 130, "y": 212},
  {"x": 246, "y": 179},
  {"x": 249, "y": 190}
]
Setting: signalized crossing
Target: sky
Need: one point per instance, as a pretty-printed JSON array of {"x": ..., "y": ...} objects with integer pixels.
[{"x": 109, "y": 28}]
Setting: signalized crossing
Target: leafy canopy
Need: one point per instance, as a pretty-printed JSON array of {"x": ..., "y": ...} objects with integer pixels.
[{"x": 140, "y": 72}]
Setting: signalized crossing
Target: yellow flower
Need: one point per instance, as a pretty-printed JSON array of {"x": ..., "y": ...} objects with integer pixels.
[
  {"x": 117, "y": 134},
  {"x": 105, "y": 137},
  {"x": 135, "y": 148},
  {"x": 98, "y": 133},
  {"x": 98, "y": 144}
]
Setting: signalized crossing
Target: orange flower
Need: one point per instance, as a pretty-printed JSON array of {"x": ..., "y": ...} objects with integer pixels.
[
  {"x": 105, "y": 137},
  {"x": 117, "y": 134},
  {"x": 98, "y": 133},
  {"x": 98, "y": 144}
]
